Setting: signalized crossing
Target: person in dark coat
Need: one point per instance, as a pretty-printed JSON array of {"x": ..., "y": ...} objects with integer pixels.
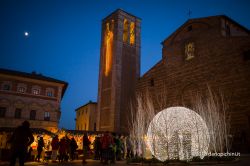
[
  {"x": 40, "y": 148},
  {"x": 66, "y": 158},
  {"x": 97, "y": 148},
  {"x": 28, "y": 157},
  {"x": 55, "y": 147},
  {"x": 73, "y": 147},
  {"x": 86, "y": 148},
  {"x": 62, "y": 149},
  {"x": 118, "y": 145},
  {"x": 20, "y": 140},
  {"x": 107, "y": 144}
]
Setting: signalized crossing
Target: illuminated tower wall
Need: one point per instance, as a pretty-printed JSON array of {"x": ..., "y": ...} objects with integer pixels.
[{"x": 119, "y": 70}]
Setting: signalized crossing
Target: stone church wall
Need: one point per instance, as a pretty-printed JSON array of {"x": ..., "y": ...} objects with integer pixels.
[{"x": 219, "y": 61}]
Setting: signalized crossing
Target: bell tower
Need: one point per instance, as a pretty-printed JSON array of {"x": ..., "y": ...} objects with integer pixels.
[{"x": 118, "y": 71}]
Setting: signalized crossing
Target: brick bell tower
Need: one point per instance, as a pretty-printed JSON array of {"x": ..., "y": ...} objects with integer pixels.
[{"x": 119, "y": 70}]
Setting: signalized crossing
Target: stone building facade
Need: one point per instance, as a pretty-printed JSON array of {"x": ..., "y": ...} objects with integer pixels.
[
  {"x": 212, "y": 51},
  {"x": 86, "y": 117},
  {"x": 119, "y": 70},
  {"x": 32, "y": 97}
]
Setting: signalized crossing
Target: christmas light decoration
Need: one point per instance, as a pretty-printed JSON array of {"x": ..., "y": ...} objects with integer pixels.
[{"x": 178, "y": 133}]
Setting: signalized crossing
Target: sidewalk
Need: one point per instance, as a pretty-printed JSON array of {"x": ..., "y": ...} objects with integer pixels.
[
  {"x": 244, "y": 161},
  {"x": 90, "y": 162}
]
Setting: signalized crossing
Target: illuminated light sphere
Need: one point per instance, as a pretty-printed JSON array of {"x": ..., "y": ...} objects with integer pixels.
[
  {"x": 26, "y": 34},
  {"x": 178, "y": 133}
]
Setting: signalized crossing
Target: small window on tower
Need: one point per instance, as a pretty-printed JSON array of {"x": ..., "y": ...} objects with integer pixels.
[
  {"x": 152, "y": 82},
  {"x": 228, "y": 31},
  {"x": 246, "y": 55},
  {"x": 125, "y": 30},
  {"x": 190, "y": 28},
  {"x": 132, "y": 33}
]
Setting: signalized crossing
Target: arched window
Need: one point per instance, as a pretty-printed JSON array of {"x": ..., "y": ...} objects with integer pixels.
[
  {"x": 21, "y": 88},
  {"x": 50, "y": 92},
  {"x": 32, "y": 114},
  {"x": 18, "y": 112},
  {"x": 109, "y": 44},
  {"x": 6, "y": 86},
  {"x": 47, "y": 116},
  {"x": 2, "y": 111},
  {"x": 132, "y": 33},
  {"x": 125, "y": 31},
  {"x": 36, "y": 90}
]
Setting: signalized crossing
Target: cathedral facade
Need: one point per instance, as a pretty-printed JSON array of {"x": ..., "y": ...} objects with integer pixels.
[
  {"x": 212, "y": 51},
  {"x": 204, "y": 53}
]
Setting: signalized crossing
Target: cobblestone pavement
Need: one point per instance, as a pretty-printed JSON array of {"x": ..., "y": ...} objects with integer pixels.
[
  {"x": 74, "y": 163},
  {"x": 244, "y": 161}
]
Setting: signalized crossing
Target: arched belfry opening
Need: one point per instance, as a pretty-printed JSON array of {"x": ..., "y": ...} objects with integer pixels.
[{"x": 119, "y": 70}]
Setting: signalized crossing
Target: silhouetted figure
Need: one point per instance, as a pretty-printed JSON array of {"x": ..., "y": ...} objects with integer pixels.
[
  {"x": 118, "y": 149},
  {"x": 86, "y": 148},
  {"x": 20, "y": 140},
  {"x": 55, "y": 147},
  {"x": 62, "y": 149},
  {"x": 129, "y": 149},
  {"x": 73, "y": 147},
  {"x": 107, "y": 143},
  {"x": 97, "y": 148},
  {"x": 66, "y": 157},
  {"x": 40, "y": 148},
  {"x": 28, "y": 157}
]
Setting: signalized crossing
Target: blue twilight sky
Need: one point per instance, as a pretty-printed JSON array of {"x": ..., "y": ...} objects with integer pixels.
[{"x": 64, "y": 40}]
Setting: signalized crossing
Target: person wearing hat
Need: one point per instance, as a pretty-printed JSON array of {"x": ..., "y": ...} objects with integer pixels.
[{"x": 20, "y": 140}]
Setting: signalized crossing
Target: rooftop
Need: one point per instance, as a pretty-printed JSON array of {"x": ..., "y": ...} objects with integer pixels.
[
  {"x": 121, "y": 11},
  {"x": 35, "y": 76},
  {"x": 90, "y": 102}
]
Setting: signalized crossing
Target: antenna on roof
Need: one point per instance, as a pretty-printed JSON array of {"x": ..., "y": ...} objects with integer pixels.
[{"x": 189, "y": 13}]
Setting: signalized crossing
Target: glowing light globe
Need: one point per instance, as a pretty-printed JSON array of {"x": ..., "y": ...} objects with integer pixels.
[{"x": 178, "y": 133}]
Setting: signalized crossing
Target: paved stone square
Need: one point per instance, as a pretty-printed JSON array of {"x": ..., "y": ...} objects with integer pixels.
[
  {"x": 244, "y": 161},
  {"x": 76, "y": 162}
]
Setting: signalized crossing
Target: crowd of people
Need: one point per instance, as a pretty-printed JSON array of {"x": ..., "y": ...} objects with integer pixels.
[
  {"x": 63, "y": 149},
  {"x": 108, "y": 147},
  {"x": 111, "y": 147}
]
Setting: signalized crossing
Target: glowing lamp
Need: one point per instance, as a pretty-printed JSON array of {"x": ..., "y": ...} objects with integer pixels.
[{"x": 178, "y": 133}]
